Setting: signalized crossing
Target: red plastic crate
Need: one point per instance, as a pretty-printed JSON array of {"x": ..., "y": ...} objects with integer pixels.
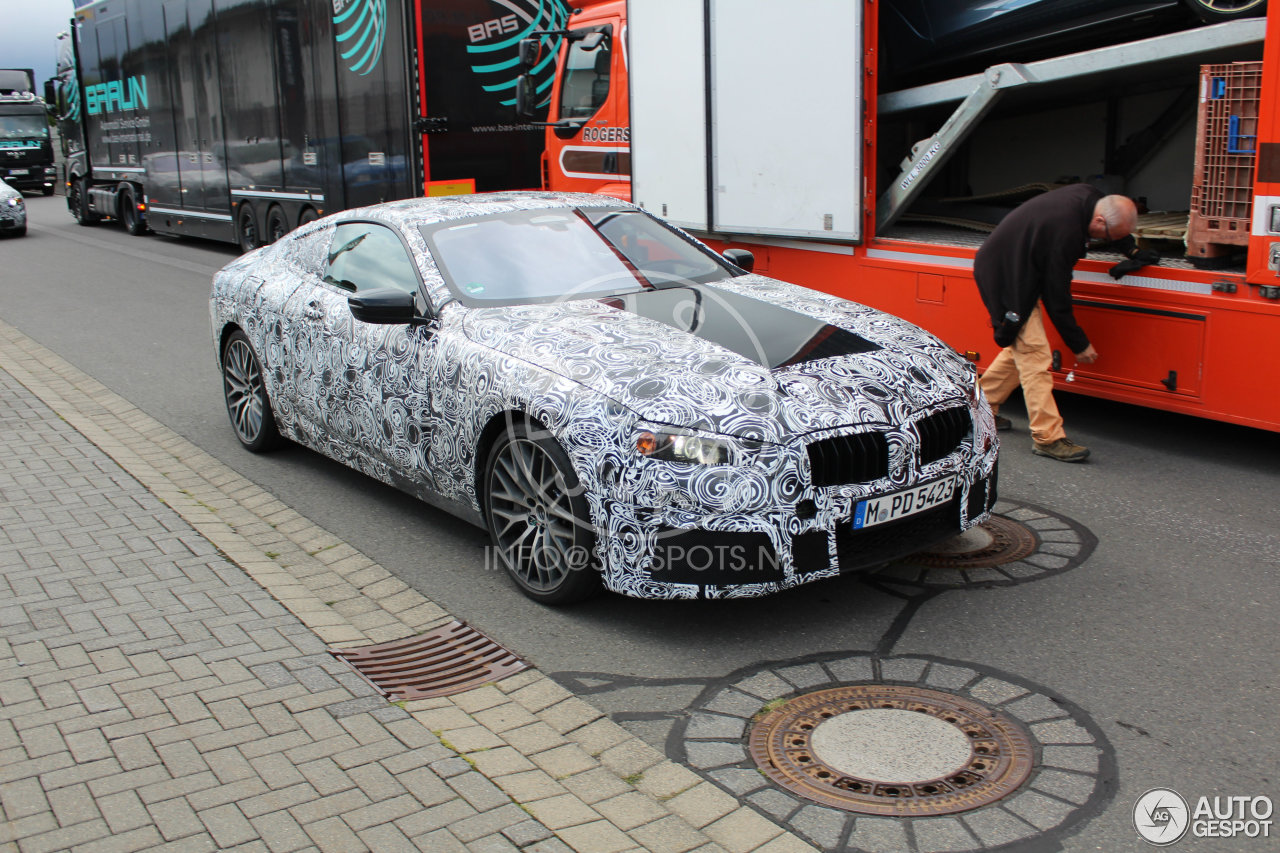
[{"x": 1226, "y": 149}]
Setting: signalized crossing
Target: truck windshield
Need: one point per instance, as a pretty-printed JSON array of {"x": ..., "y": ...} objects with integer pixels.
[
  {"x": 586, "y": 77},
  {"x": 563, "y": 253},
  {"x": 23, "y": 127}
]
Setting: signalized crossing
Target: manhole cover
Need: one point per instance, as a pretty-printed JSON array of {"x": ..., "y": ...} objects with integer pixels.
[
  {"x": 996, "y": 541},
  {"x": 892, "y": 750}
]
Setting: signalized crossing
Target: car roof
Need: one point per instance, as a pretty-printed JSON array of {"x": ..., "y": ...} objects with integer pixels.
[{"x": 412, "y": 212}]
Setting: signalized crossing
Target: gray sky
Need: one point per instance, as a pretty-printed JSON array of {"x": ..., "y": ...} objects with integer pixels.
[{"x": 28, "y": 31}]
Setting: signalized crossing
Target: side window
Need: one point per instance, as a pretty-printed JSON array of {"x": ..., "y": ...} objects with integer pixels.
[
  {"x": 586, "y": 77},
  {"x": 365, "y": 256}
]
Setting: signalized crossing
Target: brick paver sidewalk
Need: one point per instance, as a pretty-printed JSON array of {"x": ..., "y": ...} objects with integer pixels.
[{"x": 164, "y": 679}]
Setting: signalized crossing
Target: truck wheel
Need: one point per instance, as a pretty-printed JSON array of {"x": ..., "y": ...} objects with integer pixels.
[
  {"x": 277, "y": 225},
  {"x": 129, "y": 213},
  {"x": 78, "y": 204},
  {"x": 308, "y": 216},
  {"x": 1216, "y": 11},
  {"x": 247, "y": 228}
]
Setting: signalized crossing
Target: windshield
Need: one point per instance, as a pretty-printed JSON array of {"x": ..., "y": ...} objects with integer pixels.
[
  {"x": 565, "y": 253},
  {"x": 23, "y": 127}
]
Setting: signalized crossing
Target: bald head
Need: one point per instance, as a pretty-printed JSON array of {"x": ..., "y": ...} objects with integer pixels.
[{"x": 1114, "y": 217}]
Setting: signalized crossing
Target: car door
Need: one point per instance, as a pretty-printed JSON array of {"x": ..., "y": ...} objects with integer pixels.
[{"x": 370, "y": 396}]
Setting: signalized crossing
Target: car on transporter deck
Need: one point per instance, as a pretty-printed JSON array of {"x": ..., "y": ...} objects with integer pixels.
[{"x": 615, "y": 402}]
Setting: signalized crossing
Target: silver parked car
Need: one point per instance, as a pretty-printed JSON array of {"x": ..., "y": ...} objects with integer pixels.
[{"x": 614, "y": 401}]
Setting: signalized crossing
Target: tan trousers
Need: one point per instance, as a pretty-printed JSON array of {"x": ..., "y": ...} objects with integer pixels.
[{"x": 1028, "y": 362}]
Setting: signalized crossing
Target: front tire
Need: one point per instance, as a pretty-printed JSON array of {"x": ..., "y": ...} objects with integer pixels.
[
  {"x": 245, "y": 394},
  {"x": 538, "y": 518},
  {"x": 1217, "y": 11},
  {"x": 78, "y": 204}
]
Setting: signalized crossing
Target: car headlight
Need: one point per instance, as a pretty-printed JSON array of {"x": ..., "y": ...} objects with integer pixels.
[
  {"x": 15, "y": 202},
  {"x": 679, "y": 446}
]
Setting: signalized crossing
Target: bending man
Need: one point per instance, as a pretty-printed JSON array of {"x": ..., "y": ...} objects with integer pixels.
[{"x": 1027, "y": 261}]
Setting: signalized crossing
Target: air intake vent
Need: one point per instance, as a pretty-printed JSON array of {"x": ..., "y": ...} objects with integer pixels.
[
  {"x": 942, "y": 432},
  {"x": 856, "y": 458}
]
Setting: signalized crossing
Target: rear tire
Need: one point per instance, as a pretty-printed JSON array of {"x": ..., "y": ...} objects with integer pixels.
[
  {"x": 247, "y": 228},
  {"x": 46, "y": 191},
  {"x": 538, "y": 518},
  {"x": 245, "y": 394},
  {"x": 277, "y": 224},
  {"x": 1217, "y": 11},
  {"x": 129, "y": 215}
]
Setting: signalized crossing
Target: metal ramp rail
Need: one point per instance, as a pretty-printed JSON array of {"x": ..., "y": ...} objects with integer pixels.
[{"x": 978, "y": 93}]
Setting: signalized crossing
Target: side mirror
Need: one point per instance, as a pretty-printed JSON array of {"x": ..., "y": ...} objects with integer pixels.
[
  {"x": 740, "y": 258},
  {"x": 51, "y": 94},
  {"x": 524, "y": 98},
  {"x": 590, "y": 41},
  {"x": 530, "y": 49},
  {"x": 385, "y": 306}
]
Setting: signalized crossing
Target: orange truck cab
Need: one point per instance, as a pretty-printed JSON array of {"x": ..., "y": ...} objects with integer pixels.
[{"x": 588, "y": 119}]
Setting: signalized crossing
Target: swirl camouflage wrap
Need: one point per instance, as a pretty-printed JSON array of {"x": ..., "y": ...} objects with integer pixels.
[{"x": 729, "y": 434}]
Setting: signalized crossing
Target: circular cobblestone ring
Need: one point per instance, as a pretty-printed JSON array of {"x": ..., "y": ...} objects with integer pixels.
[
  {"x": 1061, "y": 545},
  {"x": 1070, "y": 777}
]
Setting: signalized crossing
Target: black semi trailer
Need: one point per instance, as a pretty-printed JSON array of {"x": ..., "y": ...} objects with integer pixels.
[{"x": 238, "y": 120}]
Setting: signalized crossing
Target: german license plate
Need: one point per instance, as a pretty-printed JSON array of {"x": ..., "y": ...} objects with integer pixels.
[
  {"x": 885, "y": 508},
  {"x": 18, "y": 171}
]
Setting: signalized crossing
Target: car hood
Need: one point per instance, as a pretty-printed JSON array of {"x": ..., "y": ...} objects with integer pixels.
[{"x": 750, "y": 357}]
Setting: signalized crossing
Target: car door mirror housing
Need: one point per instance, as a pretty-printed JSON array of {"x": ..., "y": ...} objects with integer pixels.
[
  {"x": 385, "y": 306},
  {"x": 740, "y": 258}
]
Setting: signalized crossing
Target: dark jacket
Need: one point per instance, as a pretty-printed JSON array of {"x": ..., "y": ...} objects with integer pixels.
[{"x": 1029, "y": 258}]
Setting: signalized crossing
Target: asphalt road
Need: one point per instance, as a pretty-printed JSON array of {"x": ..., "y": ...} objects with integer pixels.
[{"x": 1164, "y": 639}]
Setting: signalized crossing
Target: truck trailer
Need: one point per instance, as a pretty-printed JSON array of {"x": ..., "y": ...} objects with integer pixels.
[
  {"x": 238, "y": 120},
  {"x": 26, "y": 152},
  {"x": 793, "y": 147}
]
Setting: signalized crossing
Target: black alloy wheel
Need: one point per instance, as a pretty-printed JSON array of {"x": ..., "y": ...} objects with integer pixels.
[
  {"x": 538, "y": 519},
  {"x": 248, "y": 405},
  {"x": 129, "y": 214},
  {"x": 78, "y": 204},
  {"x": 1216, "y": 11},
  {"x": 277, "y": 224},
  {"x": 247, "y": 228}
]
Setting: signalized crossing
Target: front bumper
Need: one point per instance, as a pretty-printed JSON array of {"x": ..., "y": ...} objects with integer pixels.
[{"x": 683, "y": 548}]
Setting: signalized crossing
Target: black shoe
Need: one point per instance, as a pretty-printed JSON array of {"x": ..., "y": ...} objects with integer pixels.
[{"x": 1003, "y": 424}]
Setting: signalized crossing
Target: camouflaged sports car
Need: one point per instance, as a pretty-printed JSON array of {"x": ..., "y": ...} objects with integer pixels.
[
  {"x": 13, "y": 211},
  {"x": 616, "y": 403}
]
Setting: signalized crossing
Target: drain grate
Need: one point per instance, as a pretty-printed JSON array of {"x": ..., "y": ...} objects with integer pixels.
[
  {"x": 448, "y": 660},
  {"x": 959, "y": 756},
  {"x": 995, "y": 542}
]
